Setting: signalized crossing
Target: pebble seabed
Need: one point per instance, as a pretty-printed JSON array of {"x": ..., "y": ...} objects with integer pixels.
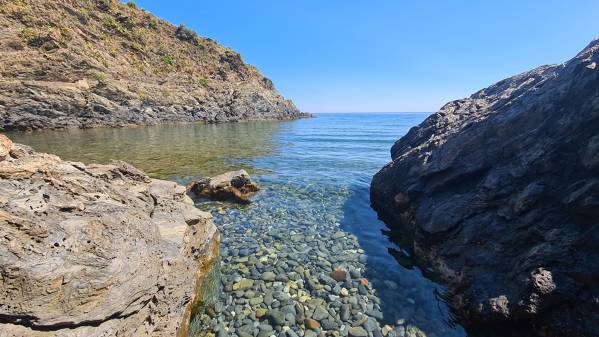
[{"x": 288, "y": 269}]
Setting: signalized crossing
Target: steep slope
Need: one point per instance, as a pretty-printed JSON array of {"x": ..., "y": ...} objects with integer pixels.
[
  {"x": 85, "y": 63},
  {"x": 499, "y": 194}
]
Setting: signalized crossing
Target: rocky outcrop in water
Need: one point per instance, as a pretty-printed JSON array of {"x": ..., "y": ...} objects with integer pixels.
[
  {"x": 235, "y": 186},
  {"x": 499, "y": 194},
  {"x": 70, "y": 63},
  {"x": 97, "y": 250}
]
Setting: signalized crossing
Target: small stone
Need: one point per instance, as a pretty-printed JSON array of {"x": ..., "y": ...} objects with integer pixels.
[
  {"x": 386, "y": 329},
  {"x": 244, "y": 284},
  {"x": 338, "y": 235},
  {"x": 311, "y": 324},
  {"x": 345, "y": 313},
  {"x": 268, "y": 276},
  {"x": 309, "y": 333},
  {"x": 357, "y": 331},
  {"x": 355, "y": 274},
  {"x": 344, "y": 292},
  {"x": 276, "y": 317},
  {"x": 256, "y": 300},
  {"x": 320, "y": 313},
  {"x": 339, "y": 275},
  {"x": 364, "y": 282},
  {"x": 261, "y": 312}
]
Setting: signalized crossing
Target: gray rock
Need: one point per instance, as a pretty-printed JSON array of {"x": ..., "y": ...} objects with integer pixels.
[
  {"x": 357, "y": 332},
  {"x": 276, "y": 317},
  {"x": 268, "y": 276},
  {"x": 513, "y": 164},
  {"x": 345, "y": 313},
  {"x": 320, "y": 313}
]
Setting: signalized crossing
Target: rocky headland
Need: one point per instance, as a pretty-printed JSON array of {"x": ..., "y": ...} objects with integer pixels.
[
  {"x": 97, "y": 250},
  {"x": 499, "y": 194},
  {"x": 94, "y": 63}
]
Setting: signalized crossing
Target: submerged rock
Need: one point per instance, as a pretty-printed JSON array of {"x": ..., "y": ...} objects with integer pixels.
[
  {"x": 499, "y": 194},
  {"x": 235, "y": 186},
  {"x": 97, "y": 250}
]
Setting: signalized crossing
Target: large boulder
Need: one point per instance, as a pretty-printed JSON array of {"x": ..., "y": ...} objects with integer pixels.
[
  {"x": 235, "y": 186},
  {"x": 97, "y": 250},
  {"x": 499, "y": 195}
]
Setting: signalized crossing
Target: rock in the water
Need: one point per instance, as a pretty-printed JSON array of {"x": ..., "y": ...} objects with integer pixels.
[
  {"x": 339, "y": 275},
  {"x": 357, "y": 331},
  {"x": 311, "y": 324},
  {"x": 233, "y": 186},
  {"x": 97, "y": 250},
  {"x": 5, "y": 146},
  {"x": 276, "y": 317},
  {"x": 499, "y": 194}
]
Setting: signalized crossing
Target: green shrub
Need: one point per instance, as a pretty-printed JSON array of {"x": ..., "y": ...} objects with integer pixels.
[
  {"x": 98, "y": 77},
  {"x": 203, "y": 81},
  {"x": 114, "y": 26},
  {"x": 168, "y": 59},
  {"x": 132, "y": 4}
]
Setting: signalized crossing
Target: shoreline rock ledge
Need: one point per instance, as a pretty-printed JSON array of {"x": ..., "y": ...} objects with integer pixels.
[
  {"x": 97, "y": 250},
  {"x": 499, "y": 195}
]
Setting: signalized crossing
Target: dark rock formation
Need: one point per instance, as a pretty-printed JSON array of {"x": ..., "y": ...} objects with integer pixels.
[
  {"x": 499, "y": 194},
  {"x": 97, "y": 250},
  {"x": 235, "y": 186},
  {"x": 82, "y": 64}
]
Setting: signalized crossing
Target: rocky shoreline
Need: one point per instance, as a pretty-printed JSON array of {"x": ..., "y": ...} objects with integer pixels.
[
  {"x": 97, "y": 250},
  {"x": 106, "y": 63},
  {"x": 497, "y": 194}
]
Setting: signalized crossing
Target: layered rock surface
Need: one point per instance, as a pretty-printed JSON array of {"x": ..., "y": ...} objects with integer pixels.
[
  {"x": 499, "y": 194},
  {"x": 97, "y": 250},
  {"x": 89, "y": 63}
]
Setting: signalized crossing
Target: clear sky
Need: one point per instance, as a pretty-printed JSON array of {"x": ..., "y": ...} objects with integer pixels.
[{"x": 388, "y": 55}]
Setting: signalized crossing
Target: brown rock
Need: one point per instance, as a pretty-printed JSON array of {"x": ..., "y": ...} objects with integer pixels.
[
  {"x": 98, "y": 250},
  {"x": 339, "y": 275},
  {"x": 311, "y": 324},
  {"x": 5, "y": 146},
  {"x": 235, "y": 186}
]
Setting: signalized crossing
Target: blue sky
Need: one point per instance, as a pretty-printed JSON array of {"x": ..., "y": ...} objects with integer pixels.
[{"x": 382, "y": 56}]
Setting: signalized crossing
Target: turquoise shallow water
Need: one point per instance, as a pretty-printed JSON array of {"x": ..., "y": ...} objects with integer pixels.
[{"x": 315, "y": 175}]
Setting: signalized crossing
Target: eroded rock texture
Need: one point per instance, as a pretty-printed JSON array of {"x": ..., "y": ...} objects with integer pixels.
[
  {"x": 499, "y": 194},
  {"x": 97, "y": 250},
  {"x": 235, "y": 186}
]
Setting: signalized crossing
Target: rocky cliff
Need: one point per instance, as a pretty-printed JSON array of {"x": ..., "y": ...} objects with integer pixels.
[
  {"x": 85, "y": 63},
  {"x": 499, "y": 194},
  {"x": 97, "y": 250}
]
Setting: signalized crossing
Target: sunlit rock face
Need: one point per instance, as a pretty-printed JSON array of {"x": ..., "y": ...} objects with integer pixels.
[
  {"x": 97, "y": 250},
  {"x": 499, "y": 194},
  {"x": 81, "y": 64}
]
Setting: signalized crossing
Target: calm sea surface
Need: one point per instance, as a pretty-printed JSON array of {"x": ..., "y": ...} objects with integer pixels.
[{"x": 317, "y": 169}]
